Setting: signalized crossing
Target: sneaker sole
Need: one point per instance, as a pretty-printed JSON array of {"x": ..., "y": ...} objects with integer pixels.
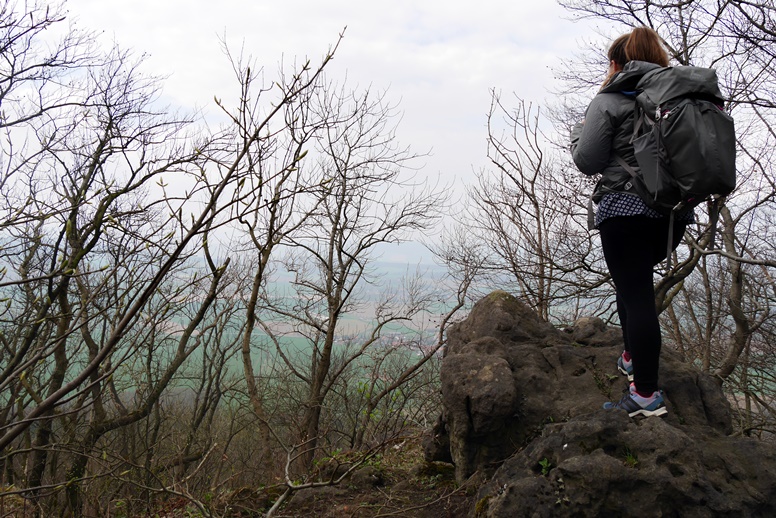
[
  {"x": 623, "y": 371},
  {"x": 649, "y": 413}
]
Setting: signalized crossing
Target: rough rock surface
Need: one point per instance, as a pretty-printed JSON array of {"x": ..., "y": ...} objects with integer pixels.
[{"x": 522, "y": 410}]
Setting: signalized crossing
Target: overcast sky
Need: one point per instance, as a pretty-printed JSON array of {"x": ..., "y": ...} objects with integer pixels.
[{"x": 438, "y": 59}]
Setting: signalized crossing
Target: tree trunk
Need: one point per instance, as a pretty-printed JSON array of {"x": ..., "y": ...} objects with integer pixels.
[
  {"x": 43, "y": 435},
  {"x": 735, "y": 302},
  {"x": 263, "y": 451},
  {"x": 312, "y": 417}
]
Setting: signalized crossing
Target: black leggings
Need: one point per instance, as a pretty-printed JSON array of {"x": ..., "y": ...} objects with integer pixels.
[{"x": 632, "y": 246}]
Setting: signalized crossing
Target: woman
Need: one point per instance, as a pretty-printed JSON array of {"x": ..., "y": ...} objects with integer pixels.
[{"x": 633, "y": 236}]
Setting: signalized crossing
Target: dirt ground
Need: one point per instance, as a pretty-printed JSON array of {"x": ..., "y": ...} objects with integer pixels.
[{"x": 398, "y": 483}]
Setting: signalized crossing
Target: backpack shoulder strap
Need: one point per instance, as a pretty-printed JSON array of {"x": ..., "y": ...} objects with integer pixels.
[
  {"x": 625, "y": 165},
  {"x": 639, "y": 119}
]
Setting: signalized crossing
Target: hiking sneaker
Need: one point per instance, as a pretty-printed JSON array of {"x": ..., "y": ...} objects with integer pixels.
[
  {"x": 625, "y": 367},
  {"x": 635, "y": 404}
]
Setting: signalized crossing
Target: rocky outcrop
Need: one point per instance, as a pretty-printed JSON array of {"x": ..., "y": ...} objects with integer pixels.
[{"x": 522, "y": 410}]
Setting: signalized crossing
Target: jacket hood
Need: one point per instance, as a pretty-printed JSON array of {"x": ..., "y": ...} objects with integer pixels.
[{"x": 630, "y": 75}]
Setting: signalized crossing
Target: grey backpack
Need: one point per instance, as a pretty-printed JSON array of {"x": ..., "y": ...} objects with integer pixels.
[{"x": 684, "y": 142}]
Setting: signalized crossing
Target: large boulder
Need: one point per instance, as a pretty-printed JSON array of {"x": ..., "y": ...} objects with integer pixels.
[
  {"x": 607, "y": 464},
  {"x": 522, "y": 410}
]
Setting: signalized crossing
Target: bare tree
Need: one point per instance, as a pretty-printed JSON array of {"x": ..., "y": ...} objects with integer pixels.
[
  {"x": 108, "y": 275},
  {"x": 361, "y": 202},
  {"x": 274, "y": 201},
  {"x": 529, "y": 213}
]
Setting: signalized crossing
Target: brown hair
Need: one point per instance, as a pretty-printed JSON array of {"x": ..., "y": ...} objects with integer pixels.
[
  {"x": 644, "y": 44},
  {"x": 617, "y": 50},
  {"x": 641, "y": 44}
]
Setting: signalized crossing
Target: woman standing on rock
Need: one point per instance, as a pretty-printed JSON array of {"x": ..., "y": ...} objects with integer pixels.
[{"x": 633, "y": 236}]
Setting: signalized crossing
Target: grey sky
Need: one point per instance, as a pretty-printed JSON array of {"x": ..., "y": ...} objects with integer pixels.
[{"x": 438, "y": 58}]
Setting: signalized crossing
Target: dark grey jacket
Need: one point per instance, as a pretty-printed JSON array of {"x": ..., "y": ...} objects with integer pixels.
[{"x": 607, "y": 130}]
